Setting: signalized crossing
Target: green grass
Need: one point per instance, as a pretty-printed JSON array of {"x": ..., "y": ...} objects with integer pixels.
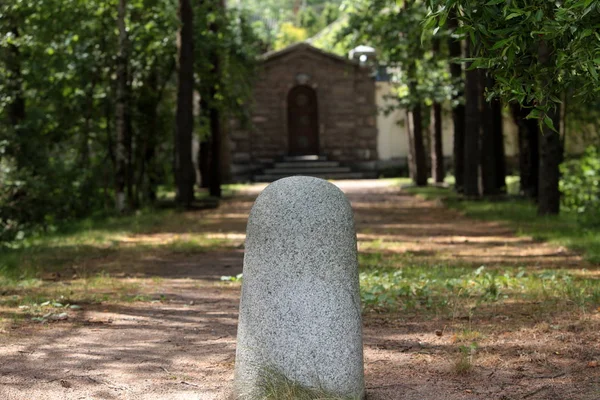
[
  {"x": 521, "y": 215},
  {"x": 273, "y": 385},
  {"x": 391, "y": 282},
  {"x": 93, "y": 239}
]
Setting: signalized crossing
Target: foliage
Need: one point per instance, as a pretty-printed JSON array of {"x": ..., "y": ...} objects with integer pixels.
[
  {"x": 395, "y": 30},
  {"x": 59, "y": 158},
  {"x": 57, "y": 103},
  {"x": 238, "y": 47},
  {"x": 289, "y": 34},
  {"x": 580, "y": 186},
  {"x": 279, "y": 22},
  {"x": 536, "y": 50}
]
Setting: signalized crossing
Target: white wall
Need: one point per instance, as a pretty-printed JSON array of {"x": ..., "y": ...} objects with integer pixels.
[{"x": 392, "y": 140}]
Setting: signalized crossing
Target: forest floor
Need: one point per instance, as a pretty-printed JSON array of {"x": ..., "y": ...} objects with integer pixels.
[{"x": 145, "y": 314}]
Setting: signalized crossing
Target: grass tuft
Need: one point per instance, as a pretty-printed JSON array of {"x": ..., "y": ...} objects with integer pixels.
[{"x": 273, "y": 385}]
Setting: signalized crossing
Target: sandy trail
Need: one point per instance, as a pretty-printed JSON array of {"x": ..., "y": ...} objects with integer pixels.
[{"x": 183, "y": 346}]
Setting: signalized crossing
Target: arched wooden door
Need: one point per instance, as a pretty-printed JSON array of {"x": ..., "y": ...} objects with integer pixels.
[{"x": 303, "y": 121}]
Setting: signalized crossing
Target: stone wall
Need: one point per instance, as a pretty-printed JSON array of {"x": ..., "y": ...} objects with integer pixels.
[{"x": 346, "y": 105}]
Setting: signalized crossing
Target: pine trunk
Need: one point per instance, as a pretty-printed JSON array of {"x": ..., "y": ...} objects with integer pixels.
[
  {"x": 121, "y": 110},
  {"x": 472, "y": 132},
  {"x": 528, "y": 150},
  {"x": 551, "y": 152},
  {"x": 215, "y": 116},
  {"x": 16, "y": 107},
  {"x": 458, "y": 112},
  {"x": 185, "y": 174},
  {"x": 500, "y": 154},
  {"x": 148, "y": 107},
  {"x": 214, "y": 184},
  {"x": 417, "y": 163},
  {"x": 438, "y": 171},
  {"x": 492, "y": 143}
]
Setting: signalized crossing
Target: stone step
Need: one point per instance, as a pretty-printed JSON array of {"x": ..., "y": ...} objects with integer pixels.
[
  {"x": 306, "y": 171},
  {"x": 347, "y": 175},
  {"x": 305, "y": 158},
  {"x": 307, "y": 164}
]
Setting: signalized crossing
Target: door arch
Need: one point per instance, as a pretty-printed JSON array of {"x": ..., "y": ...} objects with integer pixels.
[{"x": 303, "y": 121}]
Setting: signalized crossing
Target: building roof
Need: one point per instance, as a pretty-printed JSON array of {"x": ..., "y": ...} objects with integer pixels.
[{"x": 303, "y": 46}]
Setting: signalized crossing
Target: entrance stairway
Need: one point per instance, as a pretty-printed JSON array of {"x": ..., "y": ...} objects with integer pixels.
[{"x": 317, "y": 166}]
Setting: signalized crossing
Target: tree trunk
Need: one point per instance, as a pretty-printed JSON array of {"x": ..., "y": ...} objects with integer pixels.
[
  {"x": 438, "y": 172},
  {"x": 551, "y": 152},
  {"x": 472, "y": 131},
  {"x": 417, "y": 162},
  {"x": 121, "y": 111},
  {"x": 16, "y": 108},
  {"x": 214, "y": 183},
  {"x": 492, "y": 143},
  {"x": 148, "y": 107},
  {"x": 185, "y": 175},
  {"x": 458, "y": 112},
  {"x": 215, "y": 115},
  {"x": 528, "y": 150},
  {"x": 204, "y": 163},
  {"x": 500, "y": 154}
]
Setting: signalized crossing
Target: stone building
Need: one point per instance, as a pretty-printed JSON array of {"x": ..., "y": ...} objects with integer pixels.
[{"x": 313, "y": 113}]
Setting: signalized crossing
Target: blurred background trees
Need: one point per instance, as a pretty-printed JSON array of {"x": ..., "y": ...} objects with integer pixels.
[{"x": 100, "y": 99}]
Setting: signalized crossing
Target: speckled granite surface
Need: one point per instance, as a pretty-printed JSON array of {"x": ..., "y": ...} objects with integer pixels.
[{"x": 300, "y": 308}]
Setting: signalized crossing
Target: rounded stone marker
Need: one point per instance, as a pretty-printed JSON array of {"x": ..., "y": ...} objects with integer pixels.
[{"x": 300, "y": 313}]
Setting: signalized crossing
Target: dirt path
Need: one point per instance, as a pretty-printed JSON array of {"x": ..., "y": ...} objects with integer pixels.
[{"x": 182, "y": 344}]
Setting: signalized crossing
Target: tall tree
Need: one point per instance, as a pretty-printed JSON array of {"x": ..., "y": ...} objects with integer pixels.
[
  {"x": 396, "y": 30},
  {"x": 472, "y": 130},
  {"x": 458, "y": 109},
  {"x": 414, "y": 118},
  {"x": 215, "y": 117},
  {"x": 537, "y": 50},
  {"x": 499, "y": 152},
  {"x": 16, "y": 107},
  {"x": 123, "y": 153},
  {"x": 551, "y": 152},
  {"x": 528, "y": 139},
  {"x": 492, "y": 142},
  {"x": 184, "y": 168},
  {"x": 438, "y": 171}
]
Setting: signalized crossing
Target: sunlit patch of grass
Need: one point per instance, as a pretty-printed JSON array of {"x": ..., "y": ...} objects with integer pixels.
[
  {"x": 92, "y": 241},
  {"x": 90, "y": 290},
  {"x": 228, "y": 190},
  {"x": 31, "y": 299},
  {"x": 391, "y": 282}
]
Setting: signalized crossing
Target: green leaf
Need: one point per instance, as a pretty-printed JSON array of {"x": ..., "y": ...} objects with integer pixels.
[
  {"x": 501, "y": 43},
  {"x": 549, "y": 123},
  {"x": 536, "y": 113},
  {"x": 513, "y": 15}
]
